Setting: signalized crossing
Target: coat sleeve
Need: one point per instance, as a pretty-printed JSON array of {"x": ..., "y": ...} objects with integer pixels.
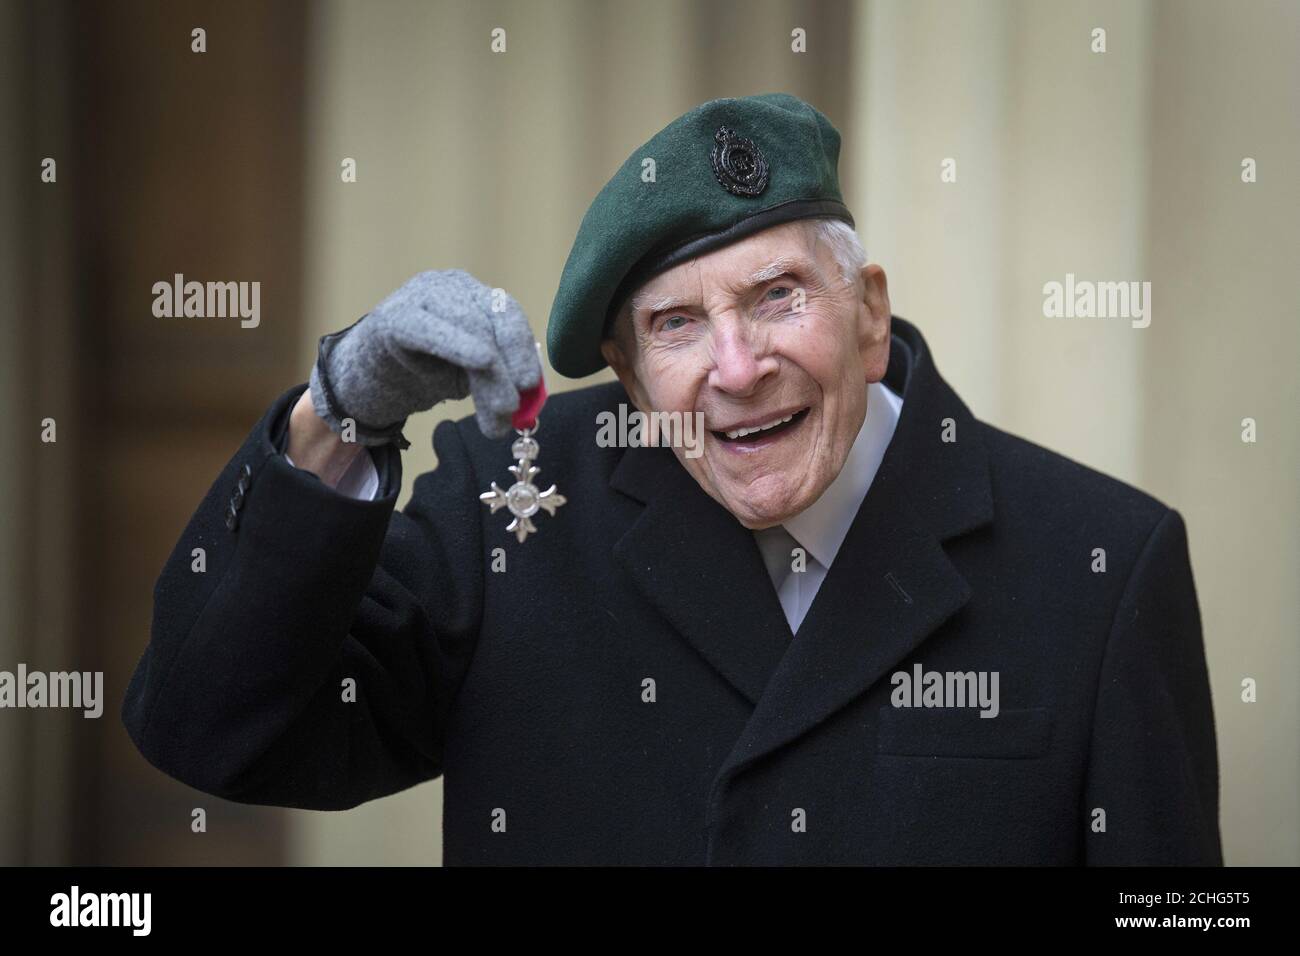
[
  {"x": 312, "y": 662},
  {"x": 1153, "y": 766}
]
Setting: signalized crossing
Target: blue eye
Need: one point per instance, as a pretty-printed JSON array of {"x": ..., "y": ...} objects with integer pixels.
[
  {"x": 668, "y": 322},
  {"x": 781, "y": 289}
]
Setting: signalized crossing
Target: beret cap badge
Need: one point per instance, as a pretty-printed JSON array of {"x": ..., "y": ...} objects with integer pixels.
[{"x": 738, "y": 164}]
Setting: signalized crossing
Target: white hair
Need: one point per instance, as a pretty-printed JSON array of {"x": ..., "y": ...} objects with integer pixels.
[{"x": 845, "y": 246}]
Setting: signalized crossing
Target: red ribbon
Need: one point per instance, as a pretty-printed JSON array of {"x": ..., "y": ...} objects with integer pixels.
[{"x": 531, "y": 401}]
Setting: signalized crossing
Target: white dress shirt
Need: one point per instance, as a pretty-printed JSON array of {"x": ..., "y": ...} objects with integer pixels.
[
  {"x": 819, "y": 529},
  {"x": 361, "y": 480}
]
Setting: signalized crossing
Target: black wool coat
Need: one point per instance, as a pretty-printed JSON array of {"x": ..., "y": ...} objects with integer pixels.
[{"x": 628, "y": 691}]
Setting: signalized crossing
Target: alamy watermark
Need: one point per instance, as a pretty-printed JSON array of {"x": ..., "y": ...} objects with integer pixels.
[
  {"x": 633, "y": 429},
  {"x": 922, "y": 688},
  {"x": 77, "y": 909},
  {"x": 1085, "y": 299},
  {"x": 75, "y": 689},
  {"x": 208, "y": 300}
]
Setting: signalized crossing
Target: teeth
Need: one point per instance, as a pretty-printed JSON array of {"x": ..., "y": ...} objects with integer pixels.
[{"x": 742, "y": 432}]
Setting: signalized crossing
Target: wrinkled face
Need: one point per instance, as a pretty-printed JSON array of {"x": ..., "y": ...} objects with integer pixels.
[{"x": 768, "y": 341}]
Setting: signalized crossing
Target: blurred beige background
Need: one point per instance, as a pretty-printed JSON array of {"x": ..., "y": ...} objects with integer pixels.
[{"x": 1123, "y": 165}]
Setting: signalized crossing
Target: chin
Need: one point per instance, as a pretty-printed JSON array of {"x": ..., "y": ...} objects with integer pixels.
[
  {"x": 762, "y": 514},
  {"x": 755, "y": 522}
]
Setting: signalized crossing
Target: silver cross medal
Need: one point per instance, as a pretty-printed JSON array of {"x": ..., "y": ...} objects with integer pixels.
[{"x": 522, "y": 498}]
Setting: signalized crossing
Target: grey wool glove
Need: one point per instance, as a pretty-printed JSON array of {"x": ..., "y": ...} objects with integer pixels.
[{"x": 438, "y": 337}]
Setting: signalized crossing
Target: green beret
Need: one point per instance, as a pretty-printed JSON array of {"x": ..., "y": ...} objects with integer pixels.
[{"x": 721, "y": 172}]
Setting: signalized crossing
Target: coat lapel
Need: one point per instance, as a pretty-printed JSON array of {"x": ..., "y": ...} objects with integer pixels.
[
  {"x": 892, "y": 584},
  {"x": 701, "y": 569}
]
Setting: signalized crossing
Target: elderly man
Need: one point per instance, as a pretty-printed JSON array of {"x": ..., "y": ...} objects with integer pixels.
[{"x": 856, "y": 625}]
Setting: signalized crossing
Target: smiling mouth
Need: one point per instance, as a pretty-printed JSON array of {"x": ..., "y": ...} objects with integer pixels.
[{"x": 763, "y": 432}]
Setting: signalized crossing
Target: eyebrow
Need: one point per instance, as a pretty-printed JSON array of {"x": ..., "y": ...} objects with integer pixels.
[
  {"x": 648, "y": 302},
  {"x": 644, "y": 301},
  {"x": 775, "y": 268}
]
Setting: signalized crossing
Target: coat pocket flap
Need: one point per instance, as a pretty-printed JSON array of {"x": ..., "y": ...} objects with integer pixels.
[{"x": 963, "y": 732}]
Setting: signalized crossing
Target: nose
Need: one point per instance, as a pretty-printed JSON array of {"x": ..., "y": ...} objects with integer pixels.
[{"x": 741, "y": 358}]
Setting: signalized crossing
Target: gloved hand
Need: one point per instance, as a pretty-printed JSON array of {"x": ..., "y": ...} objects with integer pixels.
[{"x": 435, "y": 338}]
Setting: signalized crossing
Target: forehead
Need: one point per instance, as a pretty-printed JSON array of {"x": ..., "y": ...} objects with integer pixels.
[{"x": 734, "y": 266}]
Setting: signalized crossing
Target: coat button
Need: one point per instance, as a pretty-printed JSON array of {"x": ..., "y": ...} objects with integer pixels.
[{"x": 237, "y": 499}]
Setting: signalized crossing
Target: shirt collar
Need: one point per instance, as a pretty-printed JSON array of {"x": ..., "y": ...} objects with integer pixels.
[{"x": 822, "y": 527}]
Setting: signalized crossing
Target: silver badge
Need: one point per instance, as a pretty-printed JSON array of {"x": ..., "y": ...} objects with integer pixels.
[{"x": 522, "y": 498}]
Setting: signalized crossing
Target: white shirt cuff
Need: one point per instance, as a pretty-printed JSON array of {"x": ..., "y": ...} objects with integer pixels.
[{"x": 360, "y": 481}]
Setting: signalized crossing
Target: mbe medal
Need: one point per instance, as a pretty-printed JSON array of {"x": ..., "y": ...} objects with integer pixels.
[{"x": 522, "y": 498}]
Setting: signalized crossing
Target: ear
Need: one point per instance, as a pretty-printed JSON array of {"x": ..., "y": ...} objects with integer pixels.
[
  {"x": 613, "y": 354},
  {"x": 874, "y": 320}
]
